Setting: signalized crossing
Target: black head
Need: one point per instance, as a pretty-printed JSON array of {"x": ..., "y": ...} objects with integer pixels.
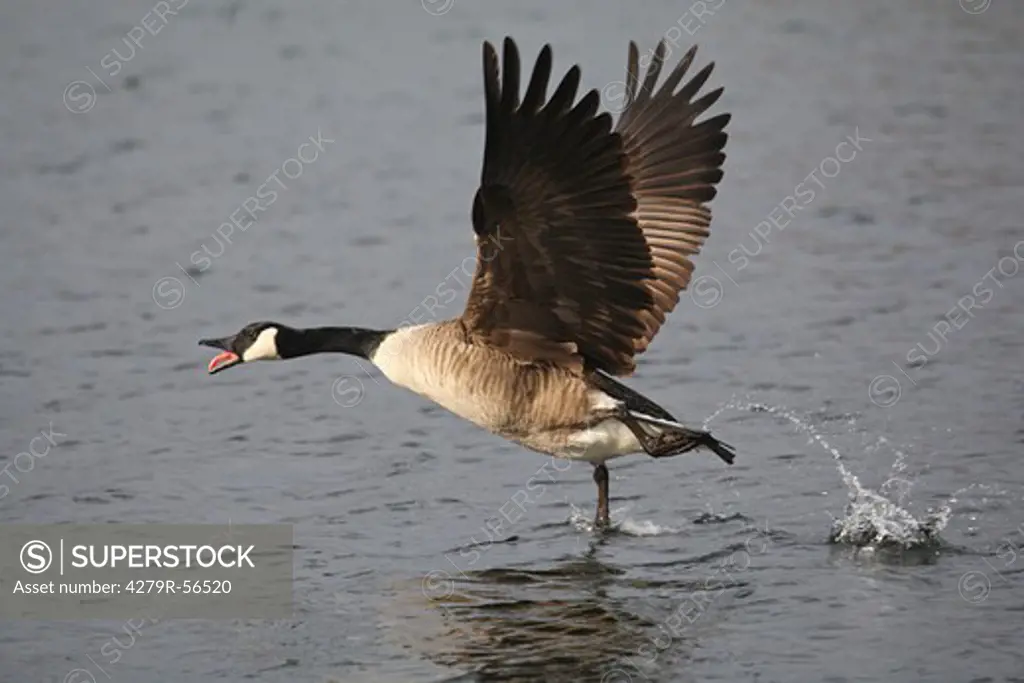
[{"x": 255, "y": 341}]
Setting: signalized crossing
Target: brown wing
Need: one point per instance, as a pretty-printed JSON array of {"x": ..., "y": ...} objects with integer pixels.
[
  {"x": 566, "y": 272},
  {"x": 674, "y": 164}
]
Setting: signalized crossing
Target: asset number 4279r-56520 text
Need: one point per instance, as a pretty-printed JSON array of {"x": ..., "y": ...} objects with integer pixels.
[{"x": 205, "y": 586}]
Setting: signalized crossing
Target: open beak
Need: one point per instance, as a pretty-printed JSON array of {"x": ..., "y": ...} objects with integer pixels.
[{"x": 223, "y": 360}]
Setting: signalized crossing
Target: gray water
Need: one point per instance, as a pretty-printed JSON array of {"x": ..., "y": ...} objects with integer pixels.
[{"x": 869, "y": 527}]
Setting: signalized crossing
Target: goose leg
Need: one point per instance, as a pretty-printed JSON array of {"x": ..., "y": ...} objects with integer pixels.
[{"x": 601, "y": 479}]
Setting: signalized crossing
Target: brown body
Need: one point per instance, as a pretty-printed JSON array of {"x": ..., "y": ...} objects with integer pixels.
[{"x": 541, "y": 405}]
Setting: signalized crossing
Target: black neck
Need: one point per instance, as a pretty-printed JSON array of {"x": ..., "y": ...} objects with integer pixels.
[{"x": 355, "y": 341}]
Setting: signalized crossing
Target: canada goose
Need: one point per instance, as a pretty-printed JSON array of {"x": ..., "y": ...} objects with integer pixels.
[{"x": 584, "y": 241}]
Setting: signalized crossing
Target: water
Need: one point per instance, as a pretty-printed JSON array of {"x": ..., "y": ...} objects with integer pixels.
[
  {"x": 872, "y": 519},
  {"x": 868, "y": 530}
]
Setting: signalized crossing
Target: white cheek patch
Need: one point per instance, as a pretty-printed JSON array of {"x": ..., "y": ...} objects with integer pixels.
[{"x": 264, "y": 348}]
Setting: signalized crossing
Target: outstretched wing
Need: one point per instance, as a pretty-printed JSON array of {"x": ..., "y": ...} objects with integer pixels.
[
  {"x": 673, "y": 164},
  {"x": 583, "y": 233}
]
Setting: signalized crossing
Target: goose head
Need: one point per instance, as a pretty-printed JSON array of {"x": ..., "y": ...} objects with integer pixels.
[{"x": 255, "y": 341}]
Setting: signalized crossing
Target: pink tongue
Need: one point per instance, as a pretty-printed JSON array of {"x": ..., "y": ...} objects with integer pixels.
[{"x": 220, "y": 359}]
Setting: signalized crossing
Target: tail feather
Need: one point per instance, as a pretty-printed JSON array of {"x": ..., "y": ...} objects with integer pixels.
[
  {"x": 719, "y": 448},
  {"x": 672, "y": 438}
]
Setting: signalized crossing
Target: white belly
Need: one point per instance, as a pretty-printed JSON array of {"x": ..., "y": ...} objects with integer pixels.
[{"x": 608, "y": 439}]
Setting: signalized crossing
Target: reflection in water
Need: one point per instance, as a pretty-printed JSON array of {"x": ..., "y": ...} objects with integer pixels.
[{"x": 580, "y": 620}]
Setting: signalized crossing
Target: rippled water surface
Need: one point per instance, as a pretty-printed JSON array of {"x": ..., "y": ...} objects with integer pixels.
[{"x": 864, "y": 355}]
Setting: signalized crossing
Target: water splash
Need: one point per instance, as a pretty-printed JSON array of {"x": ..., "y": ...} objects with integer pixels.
[
  {"x": 583, "y": 521},
  {"x": 872, "y": 518},
  {"x": 897, "y": 485}
]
